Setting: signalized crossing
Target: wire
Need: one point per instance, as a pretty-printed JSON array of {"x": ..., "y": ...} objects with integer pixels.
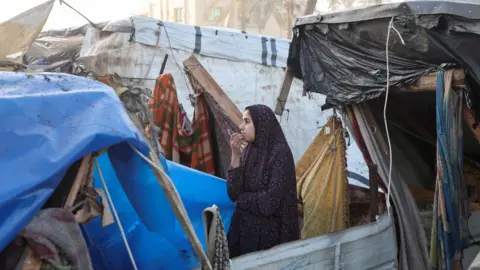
[
  {"x": 174, "y": 58},
  {"x": 390, "y": 162},
  {"x": 78, "y": 12},
  {"x": 124, "y": 237}
]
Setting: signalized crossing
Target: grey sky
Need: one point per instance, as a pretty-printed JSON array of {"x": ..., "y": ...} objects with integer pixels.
[{"x": 62, "y": 16}]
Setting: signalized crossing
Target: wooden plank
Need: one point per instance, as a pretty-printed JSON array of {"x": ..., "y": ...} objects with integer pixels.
[
  {"x": 429, "y": 82},
  {"x": 373, "y": 182},
  {"x": 288, "y": 78},
  {"x": 79, "y": 180},
  {"x": 193, "y": 67},
  {"x": 284, "y": 91},
  {"x": 421, "y": 194}
]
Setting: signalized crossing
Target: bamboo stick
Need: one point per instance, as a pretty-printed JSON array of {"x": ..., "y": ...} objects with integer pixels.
[{"x": 288, "y": 77}]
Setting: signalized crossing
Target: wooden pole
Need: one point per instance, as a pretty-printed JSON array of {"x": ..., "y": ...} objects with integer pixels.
[
  {"x": 288, "y": 77},
  {"x": 166, "y": 183},
  {"x": 79, "y": 180},
  {"x": 429, "y": 82},
  {"x": 174, "y": 199},
  {"x": 373, "y": 183}
]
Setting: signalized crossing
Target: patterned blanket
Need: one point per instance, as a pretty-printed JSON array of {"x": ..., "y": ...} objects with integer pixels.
[{"x": 192, "y": 148}]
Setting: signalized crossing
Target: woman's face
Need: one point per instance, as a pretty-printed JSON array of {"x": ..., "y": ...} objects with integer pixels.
[{"x": 247, "y": 128}]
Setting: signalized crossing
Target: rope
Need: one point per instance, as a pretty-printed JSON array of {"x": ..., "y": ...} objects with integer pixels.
[
  {"x": 78, "y": 12},
  {"x": 390, "y": 27},
  {"x": 122, "y": 232},
  {"x": 174, "y": 58}
]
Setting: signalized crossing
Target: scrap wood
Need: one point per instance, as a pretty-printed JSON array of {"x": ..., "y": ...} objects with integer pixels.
[
  {"x": 373, "y": 181},
  {"x": 288, "y": 77},
  {"x": 91, "y": 207},
  {"x": 80, "y": 179},
  {"x": 197, "y": 71},
  {"x": 429, "y": 82}
]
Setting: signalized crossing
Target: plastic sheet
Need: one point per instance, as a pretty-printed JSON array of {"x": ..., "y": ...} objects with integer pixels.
[
  {"x": 343, "y": 54},
  {"x": 52, "y": 120},
  {"x": 18, "y": 33},
  {"x": 49, "y": 53},
  {"x": 154, "y": 234},
  {"x": 48, "y": 122}
]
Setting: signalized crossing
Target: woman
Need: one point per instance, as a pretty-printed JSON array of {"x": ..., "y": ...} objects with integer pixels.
[{"x": 261, "y": 182}]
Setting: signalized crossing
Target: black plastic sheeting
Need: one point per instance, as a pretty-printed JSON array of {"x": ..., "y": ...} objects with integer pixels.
[{"x": 344, "y": 55}]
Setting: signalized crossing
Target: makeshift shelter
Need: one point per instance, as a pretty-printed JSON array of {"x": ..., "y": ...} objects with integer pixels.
[
  {"x": 410, "y": 49},
  {"x": 247, "y": 67},
  {"x": 77, "y": 137}
]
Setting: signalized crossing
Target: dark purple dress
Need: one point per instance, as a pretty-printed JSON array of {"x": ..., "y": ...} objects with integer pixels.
[{"x": 264, "y": 189}]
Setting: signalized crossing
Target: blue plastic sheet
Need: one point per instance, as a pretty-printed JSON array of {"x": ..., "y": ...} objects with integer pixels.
[
  {"x": 48, "y": 122},
  {"x": 154, "y": 234}
]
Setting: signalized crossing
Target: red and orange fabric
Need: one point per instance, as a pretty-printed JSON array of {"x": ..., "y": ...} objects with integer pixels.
[{"x": 190, "y": 148}]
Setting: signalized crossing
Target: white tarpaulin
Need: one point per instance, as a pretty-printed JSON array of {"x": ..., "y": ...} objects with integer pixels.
[
  {"x": 18, "y": 33},
  {"x": 248, "y": 67}
]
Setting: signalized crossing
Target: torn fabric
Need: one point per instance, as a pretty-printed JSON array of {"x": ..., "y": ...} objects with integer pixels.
[
  {"x": 322, "y": 184},
  {"x": 413, "y": 252},
  {"x": 18, "y": 33}
]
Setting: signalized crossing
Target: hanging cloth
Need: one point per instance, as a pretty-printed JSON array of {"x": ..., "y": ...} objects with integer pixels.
[
  {"x": 216, "y": 239},
  {"x": 322, "y": 184},
  {"x": 192, "y": 148},
  {"x": 451, "y": 208}
]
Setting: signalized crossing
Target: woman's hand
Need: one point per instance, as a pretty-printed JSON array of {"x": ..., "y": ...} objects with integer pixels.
[{"x": 235, "y": 144}]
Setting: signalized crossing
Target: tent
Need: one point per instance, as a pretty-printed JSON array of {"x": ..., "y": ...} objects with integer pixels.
[{"x": 433, "y": 80}]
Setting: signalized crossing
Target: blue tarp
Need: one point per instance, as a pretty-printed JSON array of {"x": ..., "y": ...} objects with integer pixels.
[
  {"x": 154, "y": 234},
  {"x": 50, "y": 121}
]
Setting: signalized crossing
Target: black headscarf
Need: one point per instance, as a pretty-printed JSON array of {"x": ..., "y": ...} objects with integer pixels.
[{"x": 269, "y": 141}]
